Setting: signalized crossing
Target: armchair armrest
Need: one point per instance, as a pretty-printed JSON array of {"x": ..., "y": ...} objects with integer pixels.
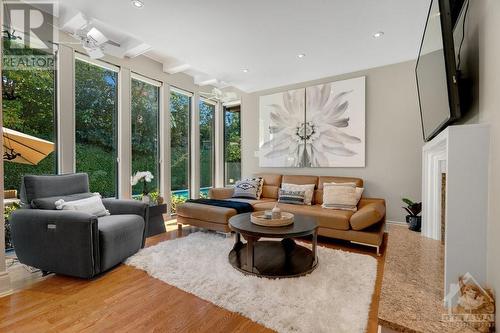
[
  {"x": 120, "y": 207},
  {"x": 221, "y": 193},
  {"x": 66, "y": 242},
  {"x": 371, "y": 211}
]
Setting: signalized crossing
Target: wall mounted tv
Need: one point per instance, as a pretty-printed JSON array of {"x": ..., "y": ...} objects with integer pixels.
[{"x": 436, "y": 71}]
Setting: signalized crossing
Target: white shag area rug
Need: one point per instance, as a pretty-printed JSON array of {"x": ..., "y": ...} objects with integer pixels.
[{"x": 335, "y": 297}]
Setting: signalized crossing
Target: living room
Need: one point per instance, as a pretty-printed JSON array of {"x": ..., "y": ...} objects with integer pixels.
[{"x": 250, "y": 166}]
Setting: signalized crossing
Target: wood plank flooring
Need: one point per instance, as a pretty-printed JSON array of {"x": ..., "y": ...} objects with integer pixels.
[{"x": 128, "y": 300}]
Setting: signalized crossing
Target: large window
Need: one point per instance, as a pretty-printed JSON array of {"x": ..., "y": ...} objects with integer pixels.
[
  {"x": 145, "y": 136},
  {"x": 180, "y": 115},
  {"x": 232, "y": 145},
  {"x": 29, "y": 108},
  {"x": 96, "y": 91},
  {"x": 207, "y": 146}
]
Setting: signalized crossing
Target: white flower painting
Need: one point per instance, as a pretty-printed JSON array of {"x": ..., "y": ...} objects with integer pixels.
[{"x": 320, "y": 126}]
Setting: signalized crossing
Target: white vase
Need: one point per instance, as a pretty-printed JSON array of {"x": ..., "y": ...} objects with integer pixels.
[{"x": 146, "y": 199}]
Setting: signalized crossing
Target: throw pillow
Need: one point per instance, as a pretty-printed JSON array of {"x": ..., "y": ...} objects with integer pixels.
[
  {"x": 49, "y": 202},
  {"x": 247, "y": 189},
  {"x": 92, "y": 205},
  {"x": 260, "y": 180},
  {"x": 341, "y": 196},
  {"x": 291, "y": 197},
  {"x": 308, "y": 189},
  {"x": 359, "y": 190}
]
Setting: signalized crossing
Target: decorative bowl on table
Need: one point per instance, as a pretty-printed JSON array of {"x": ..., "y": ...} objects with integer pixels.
[{"x": 260, "y": 218}]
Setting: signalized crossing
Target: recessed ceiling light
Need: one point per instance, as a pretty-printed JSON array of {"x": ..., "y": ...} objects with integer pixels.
[
  {"x": 137, "y": 3},
  {"x": 378, "y": 34},
  {"x": 245, "y": 70},
  {"x": 301, "y": 55}
]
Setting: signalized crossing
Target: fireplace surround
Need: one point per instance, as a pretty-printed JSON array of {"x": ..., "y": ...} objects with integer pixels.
[{"x": 462, "y": 154}]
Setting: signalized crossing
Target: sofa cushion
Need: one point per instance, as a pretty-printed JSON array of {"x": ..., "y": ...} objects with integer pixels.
[
  {"x": 272, "y": 183},
  {"x": 206, "y": 212},
  {"x": 49, "y": 202},
  {"x": 367, "y": 216},
  {"x": 326, "y": 218},
  {"x": 120, "y": 236},
  {"x": 300, "y": 180}
]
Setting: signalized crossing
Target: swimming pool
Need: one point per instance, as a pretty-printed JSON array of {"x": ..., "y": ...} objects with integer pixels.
[{"x": 185, "y": 193}]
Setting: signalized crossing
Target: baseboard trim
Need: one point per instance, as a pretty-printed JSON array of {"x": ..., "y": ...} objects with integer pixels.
[
  {"x": 396, "y": 222},
  {"x": 5, "y": 288}
]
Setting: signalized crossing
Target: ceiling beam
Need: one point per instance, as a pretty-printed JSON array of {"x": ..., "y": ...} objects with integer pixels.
[
  {"x": 175, "y": 69},
  {"x": 207, "y": 82}
]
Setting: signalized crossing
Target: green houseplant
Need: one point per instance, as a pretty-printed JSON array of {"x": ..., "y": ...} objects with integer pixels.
[{"x": 413, "y": 209}]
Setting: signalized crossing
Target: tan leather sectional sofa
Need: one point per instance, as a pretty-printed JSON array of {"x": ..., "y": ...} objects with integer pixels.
[{"x": 365, "y": 226}]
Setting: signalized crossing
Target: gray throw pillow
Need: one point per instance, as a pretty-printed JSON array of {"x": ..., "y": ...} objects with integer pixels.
[
  {"x": 49, "y": 202},
  {"x": 247, "y": 189},
  {"x": 292, "y": 197}
]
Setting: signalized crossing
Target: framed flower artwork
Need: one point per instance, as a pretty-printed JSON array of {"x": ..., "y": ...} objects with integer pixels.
[{"x": 319, "y": 126}]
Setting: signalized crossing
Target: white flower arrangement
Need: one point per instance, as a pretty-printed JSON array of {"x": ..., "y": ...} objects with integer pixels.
[{"x": 144, "y": 177}]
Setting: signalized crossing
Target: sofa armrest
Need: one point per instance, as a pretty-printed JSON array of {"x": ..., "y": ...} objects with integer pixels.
[
  {"x": 66, "y": 242},
  {"x": 221, "y": 193},
  {"x": 121, "y": 206},
  {"x": 370, "y": 212}
]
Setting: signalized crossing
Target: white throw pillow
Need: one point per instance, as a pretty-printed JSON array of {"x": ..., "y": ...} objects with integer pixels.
[
  {"x": 92, "y": 205},
  {"x": 343, "y": 196},
  {"x": 359, "y": 190},
  {"x": 308, "y": 190}
]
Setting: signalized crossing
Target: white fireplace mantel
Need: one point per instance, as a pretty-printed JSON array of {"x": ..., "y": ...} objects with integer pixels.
[{"x": 462, "y": 152}]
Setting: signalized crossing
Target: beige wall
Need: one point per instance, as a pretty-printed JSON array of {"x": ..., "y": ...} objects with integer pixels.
[
  {"x": 393, "y": 136},
  {"x": 482, "y": 59}
]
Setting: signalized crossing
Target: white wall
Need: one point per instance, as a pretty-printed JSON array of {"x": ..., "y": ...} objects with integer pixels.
[{"x": 393, "y": 136}]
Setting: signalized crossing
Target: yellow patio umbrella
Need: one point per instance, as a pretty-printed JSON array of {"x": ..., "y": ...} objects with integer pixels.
[{"x": 23, "y": 148}]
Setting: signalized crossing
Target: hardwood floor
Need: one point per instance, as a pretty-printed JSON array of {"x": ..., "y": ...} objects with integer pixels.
[{"x": 128, "y": 300}]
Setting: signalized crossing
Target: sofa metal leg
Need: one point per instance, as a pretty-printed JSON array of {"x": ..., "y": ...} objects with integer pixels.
[{"x": 377, "y": 247}]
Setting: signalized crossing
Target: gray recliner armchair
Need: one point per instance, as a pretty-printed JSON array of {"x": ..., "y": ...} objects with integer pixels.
[{"x": 70, "y": 242}]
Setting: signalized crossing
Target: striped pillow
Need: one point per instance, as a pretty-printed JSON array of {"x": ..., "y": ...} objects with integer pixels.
[{"x": 292, "y": 197}]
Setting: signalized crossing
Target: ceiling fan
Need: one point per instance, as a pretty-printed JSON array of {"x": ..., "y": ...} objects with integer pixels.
[
  {"x": 220, "y": 96},
  {"x": 93, "y": 41}
]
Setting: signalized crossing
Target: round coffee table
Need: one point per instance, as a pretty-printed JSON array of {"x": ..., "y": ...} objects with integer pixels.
[{"x": 273, "y": 259}]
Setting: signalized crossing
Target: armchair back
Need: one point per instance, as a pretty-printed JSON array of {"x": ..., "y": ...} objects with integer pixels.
[{"x": 34, "y": 187}]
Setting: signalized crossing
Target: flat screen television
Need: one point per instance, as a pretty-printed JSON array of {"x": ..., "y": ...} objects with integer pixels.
[{"x": 436, "y": 71}]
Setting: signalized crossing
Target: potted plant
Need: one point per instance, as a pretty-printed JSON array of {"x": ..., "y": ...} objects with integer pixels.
[
  {"x": 413, "y": 209},
  {"x": 143, "y": 177}
]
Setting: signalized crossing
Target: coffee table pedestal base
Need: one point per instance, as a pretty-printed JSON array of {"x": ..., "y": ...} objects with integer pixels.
[{"x": 272, "y": 259}]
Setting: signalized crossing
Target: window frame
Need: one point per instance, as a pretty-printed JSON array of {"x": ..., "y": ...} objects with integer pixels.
[
  {"x": 224, "y": 167},
  {"x": 159, "y": 86},
  {"x": 78, "y": 56},
  {"x": 214, "y": 135},
  {"x": 190, "y": 95}
]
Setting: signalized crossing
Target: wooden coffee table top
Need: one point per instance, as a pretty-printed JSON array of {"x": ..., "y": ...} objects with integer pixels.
[{"x": 302, "y": 226}]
